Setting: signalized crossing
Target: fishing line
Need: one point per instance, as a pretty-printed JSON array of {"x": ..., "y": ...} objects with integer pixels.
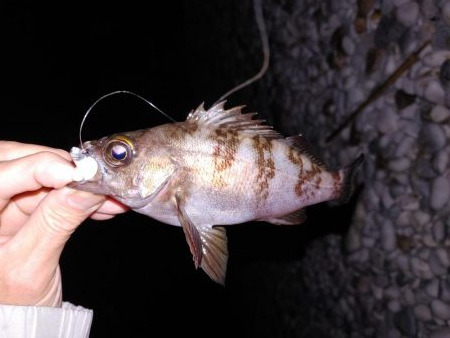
[
  {"x": 114, "y": 93},
  {"x": 257, "y": 8}
]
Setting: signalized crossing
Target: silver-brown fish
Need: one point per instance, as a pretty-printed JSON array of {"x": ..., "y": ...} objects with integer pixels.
[{"x": 219, "y": 167}]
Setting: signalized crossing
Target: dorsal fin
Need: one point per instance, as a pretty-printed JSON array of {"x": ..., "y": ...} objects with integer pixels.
[
  {"x": 300, "y": 143},
  {"x": 233, "y": 119}
]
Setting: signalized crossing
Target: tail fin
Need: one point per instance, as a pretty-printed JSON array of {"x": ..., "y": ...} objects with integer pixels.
[{"x": 349, "y": 175}]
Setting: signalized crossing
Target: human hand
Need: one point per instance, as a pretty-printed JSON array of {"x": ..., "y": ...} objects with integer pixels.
[{"x": 38, "y": 213}]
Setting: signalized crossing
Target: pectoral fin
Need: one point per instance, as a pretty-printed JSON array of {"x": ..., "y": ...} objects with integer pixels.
[
  {"x": 208, "y": 245},
  {"x": 215, "y": 253},
  {"x": 192, "y": 235}
]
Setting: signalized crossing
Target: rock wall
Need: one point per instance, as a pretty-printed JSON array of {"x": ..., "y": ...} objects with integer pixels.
[{"x": 388, "y": 275}]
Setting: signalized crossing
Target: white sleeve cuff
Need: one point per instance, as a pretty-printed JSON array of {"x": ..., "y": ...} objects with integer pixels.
[{"x": 69, "y": 321}]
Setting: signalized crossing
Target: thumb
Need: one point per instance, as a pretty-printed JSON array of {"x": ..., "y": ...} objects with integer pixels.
[{"x": 58, "y": 215}]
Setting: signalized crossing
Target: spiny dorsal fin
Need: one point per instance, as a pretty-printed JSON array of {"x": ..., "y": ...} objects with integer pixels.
[
  {"x": 300, "y": 143},
  {"x": 294, "y": 218},
  {"x": 217, "y": 116}
]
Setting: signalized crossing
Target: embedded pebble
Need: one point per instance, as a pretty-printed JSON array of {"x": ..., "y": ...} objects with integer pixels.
[
  {"x": 441, "y": 161},
  {"x": 348, "y": 46},
  {"x": 440, "y": 309},
  {"x": 439, "y": 113},
  {"x": 407, "y": 13},
  {"x": 388, "y": 237},
  {"x": 436, "y": 59},
  {"x": 421, "y": 268},
  {"x": 398, "y": 3},
  {"x": 441, "y": 333},
  {"x": 432, "y": 288},
  {"x": 393, "y": 333},
  {"x": 392, "y": 292},
  {"x": 409, "y": 128},
  {"x": 390, "y": 66},
  {"x": 400, "y": 164},
  {"x": 434, "y": 92},
  {"x": 394, "y": 306},
  {"x": 443, "y": 256},
  {"x": 386, "y": 198},
  {"x": 440, "y": 192},
  {"x": 408, "y": 296},
  {"x": 421, "y": 217},
  {"x": 446, "y": 14},
  {"x": 438, "y": 231},
  {"x": 422, "y": 312},
  {"x": 387, "y": 121},
  {"x": 434, "y": 136},
  {"x": 408, "y": 202},
  {"x": 397, "y": 190},
  {"x": 436, "y": 267}
]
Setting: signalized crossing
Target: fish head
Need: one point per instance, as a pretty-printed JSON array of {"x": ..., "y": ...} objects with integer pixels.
[{"x": 109, "y": 166}]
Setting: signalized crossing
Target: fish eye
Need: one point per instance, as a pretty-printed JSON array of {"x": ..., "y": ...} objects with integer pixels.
[{"x": 118, "y": 151}]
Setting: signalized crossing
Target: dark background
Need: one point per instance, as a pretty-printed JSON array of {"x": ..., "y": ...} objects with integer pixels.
[{"x": 57, "y": 58}]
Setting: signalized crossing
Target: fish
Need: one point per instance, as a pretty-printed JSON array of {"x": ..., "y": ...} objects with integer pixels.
[{"x": 217, "y": 168}]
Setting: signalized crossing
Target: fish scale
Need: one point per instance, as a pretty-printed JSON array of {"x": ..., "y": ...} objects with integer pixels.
[{"x": 219, "y": 167}]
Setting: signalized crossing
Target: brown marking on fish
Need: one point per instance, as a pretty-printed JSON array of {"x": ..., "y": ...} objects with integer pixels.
[
  {"x": 296, "y": 159},
  {"x": 190, "y": 127},
  {"x": 224, "y": 153},
  {"x": 178, "y": 131},
  {"x": 337, "y": 183},
  {"x": 318, "y": 181},
  {"x": 265, "y": 166},
  {"x": 305, "y": 177},
  {"x": 293, "y": 156},
  {"x": 226, "y": 144},
  {"x": 175, "y": 132}
]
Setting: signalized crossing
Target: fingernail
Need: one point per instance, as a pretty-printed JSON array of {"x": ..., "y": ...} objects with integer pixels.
[
  {"x": 61, "y": 171},
  {"x": 84, "y": 200}
]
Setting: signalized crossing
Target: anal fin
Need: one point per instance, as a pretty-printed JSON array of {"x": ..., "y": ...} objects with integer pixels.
[{"x": 294, "y": 218}]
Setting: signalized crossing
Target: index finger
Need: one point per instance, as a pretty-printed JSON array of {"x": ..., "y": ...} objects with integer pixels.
[
  {"x": 10, "y": 150},
  {"x": 32, "y": 172}
]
